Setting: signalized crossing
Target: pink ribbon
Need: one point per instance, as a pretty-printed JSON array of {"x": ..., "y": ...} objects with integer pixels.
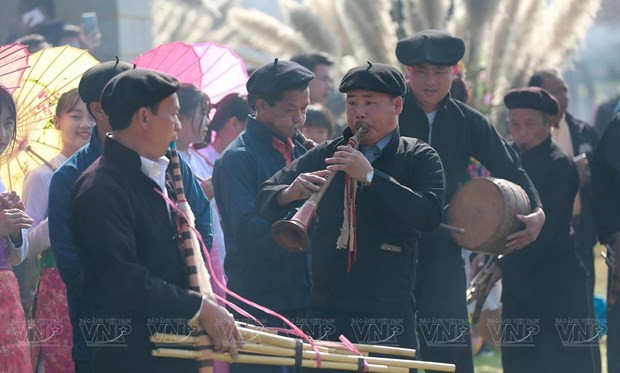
[{"x": 294, "y": 329}]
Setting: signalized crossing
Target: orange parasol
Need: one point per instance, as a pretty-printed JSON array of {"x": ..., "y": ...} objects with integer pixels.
[{"x": 52, "y": 72}]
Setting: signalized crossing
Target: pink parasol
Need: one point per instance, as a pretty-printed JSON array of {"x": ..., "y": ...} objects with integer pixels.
[
  {"x": 214, "y": 68},
  {"x": 13, "y": 63}
]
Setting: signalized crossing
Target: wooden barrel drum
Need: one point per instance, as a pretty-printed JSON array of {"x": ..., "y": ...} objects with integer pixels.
[{"x": 486, "y": 208}]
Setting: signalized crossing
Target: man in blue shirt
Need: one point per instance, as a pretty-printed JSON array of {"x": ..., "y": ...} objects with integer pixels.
[{"x": 65, "y": 250}]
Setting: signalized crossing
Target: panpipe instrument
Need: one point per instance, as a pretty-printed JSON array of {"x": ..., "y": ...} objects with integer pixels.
[
  {"x": 293, "y": 234},
  {"x": 262, "y": 346},
  {"x": 197, "y": 273}
]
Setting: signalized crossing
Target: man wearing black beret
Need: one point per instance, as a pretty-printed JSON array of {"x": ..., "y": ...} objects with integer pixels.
[
  {"x": 578, "y": 139},
  {"x": 65, "y": 250},
  {"x": 63, "y": 245},
  {"x": 545, "y": 282},
  {"x": 363, "y": 287},
  {"x": 257, "y": 268},
  {"x": 458, "y": 133},
  {"x": 132, "y": 267}
]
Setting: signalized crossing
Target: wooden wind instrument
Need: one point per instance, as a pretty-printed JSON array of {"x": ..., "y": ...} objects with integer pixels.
[
  {"x": 293, "y": 234},
  {"x": 198, "y": 275}
]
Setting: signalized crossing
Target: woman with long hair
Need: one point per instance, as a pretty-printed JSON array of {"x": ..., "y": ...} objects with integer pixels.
[
  {"x": 14, "y": 346},
  {"x": 193, "y": 114},
  {"x": 53, "y": 338}
]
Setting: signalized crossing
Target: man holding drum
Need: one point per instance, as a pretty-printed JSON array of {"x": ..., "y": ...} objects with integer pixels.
[
  {"x": 365, "y": 290},
  {"x": 457, "y": 132},
  {"x": 544, "y": 282}
]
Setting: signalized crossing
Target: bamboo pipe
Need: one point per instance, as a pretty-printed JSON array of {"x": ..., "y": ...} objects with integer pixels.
[
  {"x": 273, "y": 360},
  {"x": 254, "y": 327},
  {"x": 363, "y": 348},
  {"x": 353, "y": 359},
  {"x": 312, "y": 355},
  {"x": 250, "y": 335},
  {"x": 386, "y": 350}
]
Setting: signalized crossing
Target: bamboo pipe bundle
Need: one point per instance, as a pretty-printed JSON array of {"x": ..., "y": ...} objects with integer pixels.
[
  {"x": 279, "y": 350},
  {"x": 247, "y": 330},
  {"x": 274, "y": 360}
]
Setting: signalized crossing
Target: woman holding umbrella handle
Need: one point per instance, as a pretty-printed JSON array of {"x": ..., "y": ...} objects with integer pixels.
[
  {"x": 75, "y": 125},
  {"x": 14, "y": 351}
]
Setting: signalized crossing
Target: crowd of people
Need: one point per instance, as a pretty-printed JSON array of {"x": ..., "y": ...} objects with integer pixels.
[{"x": 102, "y": 221}]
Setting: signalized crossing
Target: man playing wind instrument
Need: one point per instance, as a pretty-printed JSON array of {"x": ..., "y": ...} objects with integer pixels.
[
  {"x": 364, "y": 266},
  {"x": 257, "y": 268}
]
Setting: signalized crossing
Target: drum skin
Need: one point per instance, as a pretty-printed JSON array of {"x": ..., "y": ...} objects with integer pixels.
[{"x": 486, "y": 208}]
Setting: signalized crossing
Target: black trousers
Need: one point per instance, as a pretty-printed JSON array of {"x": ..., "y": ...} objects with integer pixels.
[
  {"x": 443, "y": 324},
  {"x": 613, "y": 336},
  {"x": 547, "y": 328},
  {"x": 361, "y": 327}
]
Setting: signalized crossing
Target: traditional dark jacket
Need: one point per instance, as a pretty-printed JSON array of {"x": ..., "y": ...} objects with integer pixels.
[
  {"x": 405, "y": 196},
  {"x": 545, "y": 281},
  {"x": 606, "y": 183},
  {"x": 256, "y": 266},
  {"x": 133, "y": 274},
  {"x": 605, "y": 113},
  {"x": 585, "y": 140},
  {"x": 459, "y": 133},
  {"x": 552, "y": 256}
]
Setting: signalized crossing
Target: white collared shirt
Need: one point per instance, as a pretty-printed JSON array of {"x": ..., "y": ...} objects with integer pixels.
[{"x": 156, "y": 170}]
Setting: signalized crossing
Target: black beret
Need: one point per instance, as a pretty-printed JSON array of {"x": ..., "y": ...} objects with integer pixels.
[
  {"x": 277, "y": 76},
  {"x": 130, "y": 90},
  {"x": 430, "y": 46},
  {"x": 531, "y": 98},
  {"x": 94, "y": 79},
  {"x": 377, "y": 77}
]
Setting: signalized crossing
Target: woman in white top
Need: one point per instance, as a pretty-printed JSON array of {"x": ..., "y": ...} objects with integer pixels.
[
  {"x": 195, "y": 107},
  {"x": 193, "y": 114},
  {"x": 229, "y": 121},
  {"x": 50, "y": 308},
  {"x": 14, "y": 346}
]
